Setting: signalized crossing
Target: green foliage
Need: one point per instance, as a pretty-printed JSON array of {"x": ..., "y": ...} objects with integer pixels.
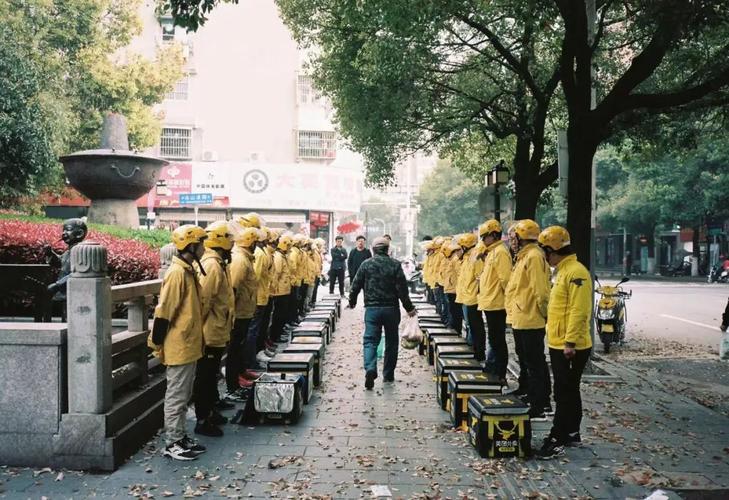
[
  {"x": 448, "y": 202},
  {"x": 154, "y": 237},
  {"x": 62, "y": 67},
  {"x": 190, "y": 14}
]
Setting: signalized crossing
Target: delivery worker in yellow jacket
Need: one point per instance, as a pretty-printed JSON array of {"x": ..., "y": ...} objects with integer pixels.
[
  {"x": 238, "y": 369},
  {"x": 440, "y": 263},
  {"x": 492, "y": 293},
  {"x": 218, "y": 310},
  {"x": 177, "y": 338},
  {"x": 568, "y": 337},
  {"x": 258, "y": 329},
  {"x": 527, "y": 296},
  {"x": 467, "y": 292},
  {"x": 451, "y": 267},
  {"x": 293, "y": 257},
  {"x": 280, "y": 287},
  {"x": 312, "y": 272},
  {"x": 317, "y": 247}
]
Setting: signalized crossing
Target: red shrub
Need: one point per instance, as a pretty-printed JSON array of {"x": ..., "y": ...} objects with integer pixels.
[{"x": 22, "y": 242}]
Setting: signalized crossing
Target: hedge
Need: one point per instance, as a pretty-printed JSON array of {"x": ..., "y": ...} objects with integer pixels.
[{"x": 22, "y": 241}]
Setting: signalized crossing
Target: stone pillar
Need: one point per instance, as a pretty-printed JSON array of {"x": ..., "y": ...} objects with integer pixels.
[
  {"x": 165, "y": 258},
  {"x": 89, "y": 331}
]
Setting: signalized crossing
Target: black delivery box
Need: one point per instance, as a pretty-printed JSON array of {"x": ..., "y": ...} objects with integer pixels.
[
  {"x": 299, "y": 363},
  {"x": 498, "y": 426},
  {"x": 464, "y": 384}
]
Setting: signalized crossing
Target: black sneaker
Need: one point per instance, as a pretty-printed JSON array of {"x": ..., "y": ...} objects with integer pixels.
[
  {"x": 237, "y": 396},
  {"x": 178, "y": 451},
  {"x": 391, "y": 378},
  {"x": 548, "y": 411},
  {"x": 207, "y": 428},
  {"x": 574, "y": 439},
  {"x": 222, "y": 404},
  {"x": 550, "y": 449},
  {"x": 192, "y": 445},
  {"x": 537, "y": 416},
  {"x": 217, "y": 419},
  {"x": 370, "y": 380}
]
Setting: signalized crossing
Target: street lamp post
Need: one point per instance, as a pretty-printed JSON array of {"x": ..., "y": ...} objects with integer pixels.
[{"x": 497, "y": 177}]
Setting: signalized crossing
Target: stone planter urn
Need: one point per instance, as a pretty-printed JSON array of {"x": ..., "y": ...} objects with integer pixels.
[{"x": 113, "y": 177}]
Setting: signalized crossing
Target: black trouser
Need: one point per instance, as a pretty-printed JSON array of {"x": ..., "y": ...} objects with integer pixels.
[
  {"x": 496, "y": 321},
  {"x": 303, "y": 291},
  {"x": 278, "y": 317},
  {"x": 316, "y": 289},
  {"x": 429, "y": 297},
  {"x": 455, "y": 316},
  {"x": 478, "y": 333},
  {"x": 334, "y": 275},
  {"x": 532, "y": 346},
  {"x": 567, "y": 376},
  {"x": 523, "y": 373},
  {"x": 234, "y": 359},
  {"x": 293, "y": 314},
  {"x": 265, "y": 326},
  {"x": 205, "y": 387}
]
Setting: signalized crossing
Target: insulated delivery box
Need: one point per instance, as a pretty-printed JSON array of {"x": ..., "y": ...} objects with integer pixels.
[
  {"x": 464, "y": 384},
  {"x": 429, "y": 331},
  {"x": 311, "y": 331},
  {"x": 454, "y": 351},
  {"x": 317, "y": 349},
  {"x": 277, "y": 397},
  {"x": 442, "y": 340},
  {"x": 316, "y": 325},
  {"x": 443, "y": 368},
  {"x": 328, "y": 306},
  {"x": 301, "y": 363},
  {"x": 498, "y": 426},
  {"x": 329, "y": 316}
]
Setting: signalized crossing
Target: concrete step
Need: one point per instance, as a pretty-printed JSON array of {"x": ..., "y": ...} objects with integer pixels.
[
  {"x": 130, "y": 406},
  {"x": 137, "y": 433}
]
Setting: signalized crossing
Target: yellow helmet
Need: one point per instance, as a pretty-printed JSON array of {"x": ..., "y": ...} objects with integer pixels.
[
  {"x": 219, "y": 236},
  {"x": 251, "y": 219},
  {"x": 437, "y": 242},
  {"x": 527, "y": 229},
  {"x": 554, "y": 237},
  {"x": 319, "y": 242},
  {"x": 265, "y": 234},
  {"x": 451, "y": 247},
  {"x": 488, "y": 227},
  {"x": 285, "y": 242},
  {"x": 248, "y": 237},
  {"x": 467, "y": 240},
  {"x": 186, "y": 235},
  {"x": 298, "y": 240}
]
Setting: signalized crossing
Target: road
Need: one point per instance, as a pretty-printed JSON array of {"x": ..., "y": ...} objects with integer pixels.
[{"x": 684, "y": 312}]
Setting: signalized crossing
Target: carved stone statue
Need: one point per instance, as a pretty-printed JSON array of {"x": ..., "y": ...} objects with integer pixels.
[{"x": 74, "y": 232}]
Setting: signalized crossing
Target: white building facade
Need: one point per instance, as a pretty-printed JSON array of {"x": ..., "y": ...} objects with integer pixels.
[{"x": 246, "y": 126}]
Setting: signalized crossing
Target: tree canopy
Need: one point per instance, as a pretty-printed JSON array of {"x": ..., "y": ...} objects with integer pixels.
[{"x": 63, "y": 65}]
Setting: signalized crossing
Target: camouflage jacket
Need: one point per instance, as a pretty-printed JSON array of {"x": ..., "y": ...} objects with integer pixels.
[{"x": 383, "y": 281}]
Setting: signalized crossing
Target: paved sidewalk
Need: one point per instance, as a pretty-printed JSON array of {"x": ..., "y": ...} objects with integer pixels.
[{"x": 638, "y": 436}]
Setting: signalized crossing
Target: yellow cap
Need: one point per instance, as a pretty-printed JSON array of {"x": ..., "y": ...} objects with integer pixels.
[
  {"x": 527, "y": 229},
  {"x": 554, "y": 237},
  {"x": 488, "y": 227},
  {"x": 187, "y": 235},
  {"x": 219, "y": 235}
]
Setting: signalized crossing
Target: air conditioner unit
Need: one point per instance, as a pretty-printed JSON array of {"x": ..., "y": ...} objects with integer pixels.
[{"x": 210, "y": 156}]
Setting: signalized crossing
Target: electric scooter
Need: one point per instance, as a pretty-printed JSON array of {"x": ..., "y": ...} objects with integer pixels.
[{"x": 610, "y": 313}]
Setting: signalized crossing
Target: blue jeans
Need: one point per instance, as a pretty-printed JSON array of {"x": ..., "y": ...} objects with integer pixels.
[
  {"x": 467, "y": 322},
  {"x": 375, "y": 319}
]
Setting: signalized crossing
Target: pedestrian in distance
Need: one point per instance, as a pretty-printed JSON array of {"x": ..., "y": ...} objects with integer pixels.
[
  {"x": 336, "y": 270},
  {"x": 218, "y": 312},
  {"x": 568, "y": 337},
  {"x": 177, "y": 338},
  {"x": 492, "y": 292},
  {"x": 357, "y": 256},
  {"x": 526, "y": 300},
  {"x": 384, "y": 283}
]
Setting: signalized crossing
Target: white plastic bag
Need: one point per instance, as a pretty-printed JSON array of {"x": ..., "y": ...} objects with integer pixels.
[{"x": 410, "y": 333}]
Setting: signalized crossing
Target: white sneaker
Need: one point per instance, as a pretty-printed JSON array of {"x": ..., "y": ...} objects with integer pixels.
[{"x": 177, "y": 451}]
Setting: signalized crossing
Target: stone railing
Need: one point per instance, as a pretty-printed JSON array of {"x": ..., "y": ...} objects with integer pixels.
[{"x": 105, "y": 400}]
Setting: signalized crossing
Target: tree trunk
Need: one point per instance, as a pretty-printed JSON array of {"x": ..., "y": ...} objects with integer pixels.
[
  {"x": 695, "y": 251},
  {"x": 525, "y": 182},
  {"x": 582, "y": 150}
]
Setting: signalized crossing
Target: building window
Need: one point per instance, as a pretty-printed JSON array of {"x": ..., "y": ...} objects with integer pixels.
[
  {"x": 317, "y": 144},
  {"x": 179, "y": 93},
  {"x": 307, "y": 94},
  {"x": 168, "y": 28},
  {"x": 176, "y": 143}
]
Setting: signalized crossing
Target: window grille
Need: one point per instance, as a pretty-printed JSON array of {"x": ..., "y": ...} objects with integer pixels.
[
  {"x": 180, "y": 92},
  {"x": 317, "y": 144},
  {"x": 176, "y": 143}
]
